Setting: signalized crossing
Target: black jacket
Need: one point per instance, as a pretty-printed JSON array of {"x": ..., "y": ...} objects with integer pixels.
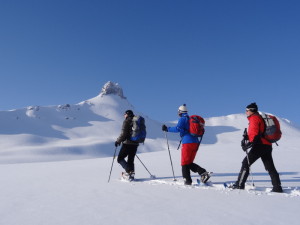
[{"x": 126, "y": 132}]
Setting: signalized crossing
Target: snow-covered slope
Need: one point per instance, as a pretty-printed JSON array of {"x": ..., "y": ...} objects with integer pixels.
[
  {"x": 88, "y": 129},
  {"x": 76, "y": 192},
  {"x": 66, "y": 132}
]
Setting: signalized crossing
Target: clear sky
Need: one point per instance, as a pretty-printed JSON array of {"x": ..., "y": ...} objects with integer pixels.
[{"x": 216, "y": 56}]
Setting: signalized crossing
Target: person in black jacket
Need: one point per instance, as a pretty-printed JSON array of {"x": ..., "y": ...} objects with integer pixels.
[{"x": 129, "y": 148}]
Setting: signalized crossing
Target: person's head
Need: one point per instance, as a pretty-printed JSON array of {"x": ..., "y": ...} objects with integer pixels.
[
  {"x": 251, "y": 108},
  {"x": 128, "y": 113},
  {"x": 182, "y": 109}
]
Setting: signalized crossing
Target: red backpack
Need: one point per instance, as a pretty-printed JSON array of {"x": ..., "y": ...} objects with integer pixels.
[
  {"x": 197, "y": 124},
  {"x": 272, "y": 128}
]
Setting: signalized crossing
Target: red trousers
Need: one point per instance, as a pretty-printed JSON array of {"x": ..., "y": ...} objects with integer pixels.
[{"x": 188, "y": 153}]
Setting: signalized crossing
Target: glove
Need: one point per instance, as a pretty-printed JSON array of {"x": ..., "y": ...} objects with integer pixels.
[
  {"x": 246, "y": 137},
  {"x": 164, "y": 128},
  {"x": 117, "y": 143},
  {"x": 246, "y": 146}
]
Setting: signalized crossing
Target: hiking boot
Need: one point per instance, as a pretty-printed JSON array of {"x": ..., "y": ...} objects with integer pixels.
[
  {"x": 277, "y": 189},
  {"x": 236, "y": 186},
  {"x": 187, "y": 181},
  {"x": 131, "y": 175},
  {"x": 128, "y": 176},
  {"x": 205, "y": 177},
  {"x": 125, "y": 175}
]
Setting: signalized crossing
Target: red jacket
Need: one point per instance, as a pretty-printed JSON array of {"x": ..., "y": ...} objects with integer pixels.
[{"x": 256, "y": 127}]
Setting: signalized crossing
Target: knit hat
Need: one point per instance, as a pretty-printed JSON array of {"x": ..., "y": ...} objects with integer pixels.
[
  {"x": 252, "y": 107},
  {"x": 129, "y": 113},
  {"x": 182, "y": 109}
]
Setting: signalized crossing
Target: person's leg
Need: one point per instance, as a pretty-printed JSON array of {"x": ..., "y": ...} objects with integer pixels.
[
  {"x": 186, "y": 174},
  {"x": 122, "y": 155},
  {"x": 268, "y": 162},
  {"x": 253, "y": 155},
  {"x": 197, "y": 169},
  {"x": 132, "y": 149},
  {"x": 188, "y": 154},
  {"x": 185, "y": 163}
]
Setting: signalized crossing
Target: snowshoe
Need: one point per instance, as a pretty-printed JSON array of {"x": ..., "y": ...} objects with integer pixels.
[{"x": 200, "y": 183}]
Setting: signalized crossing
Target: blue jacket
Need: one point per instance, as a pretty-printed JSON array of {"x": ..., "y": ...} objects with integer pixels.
[{"x": 183, "y": 128}]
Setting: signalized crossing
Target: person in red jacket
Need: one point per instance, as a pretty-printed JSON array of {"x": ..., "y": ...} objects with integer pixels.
[{"x": 259, "y": 148}]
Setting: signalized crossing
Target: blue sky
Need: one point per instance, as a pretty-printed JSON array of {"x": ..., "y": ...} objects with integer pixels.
[{"x": 216, "y": 56}]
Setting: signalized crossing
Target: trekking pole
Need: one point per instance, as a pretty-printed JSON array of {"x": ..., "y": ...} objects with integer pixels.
[
  {"x": 179, "y": 144},
  {"x": 112, "y": 164},
  {"x": 151, "y": 176},
  {"x": 170, "y": 156}
]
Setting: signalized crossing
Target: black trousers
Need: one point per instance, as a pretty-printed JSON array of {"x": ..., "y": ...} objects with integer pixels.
[
  {"x": 265, "y": 153},
  {"x": 128, "y": 151},
  {"x": 186, "y": 171}
]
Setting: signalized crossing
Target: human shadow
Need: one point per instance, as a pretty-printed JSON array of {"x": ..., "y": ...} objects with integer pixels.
[
  {"x": 211, "y": 133},
  {"x": 283, "y": 175}
]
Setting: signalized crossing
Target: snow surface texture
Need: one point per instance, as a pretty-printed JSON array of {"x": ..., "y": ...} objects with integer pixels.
[{"x": 55, "y": 163}]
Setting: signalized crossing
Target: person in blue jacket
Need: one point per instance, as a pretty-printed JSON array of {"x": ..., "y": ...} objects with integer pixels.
[{"x": 190, "y": 145}]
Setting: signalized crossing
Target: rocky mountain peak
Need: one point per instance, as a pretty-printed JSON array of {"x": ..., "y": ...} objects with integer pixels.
[{"x": 111, "y": 88}]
